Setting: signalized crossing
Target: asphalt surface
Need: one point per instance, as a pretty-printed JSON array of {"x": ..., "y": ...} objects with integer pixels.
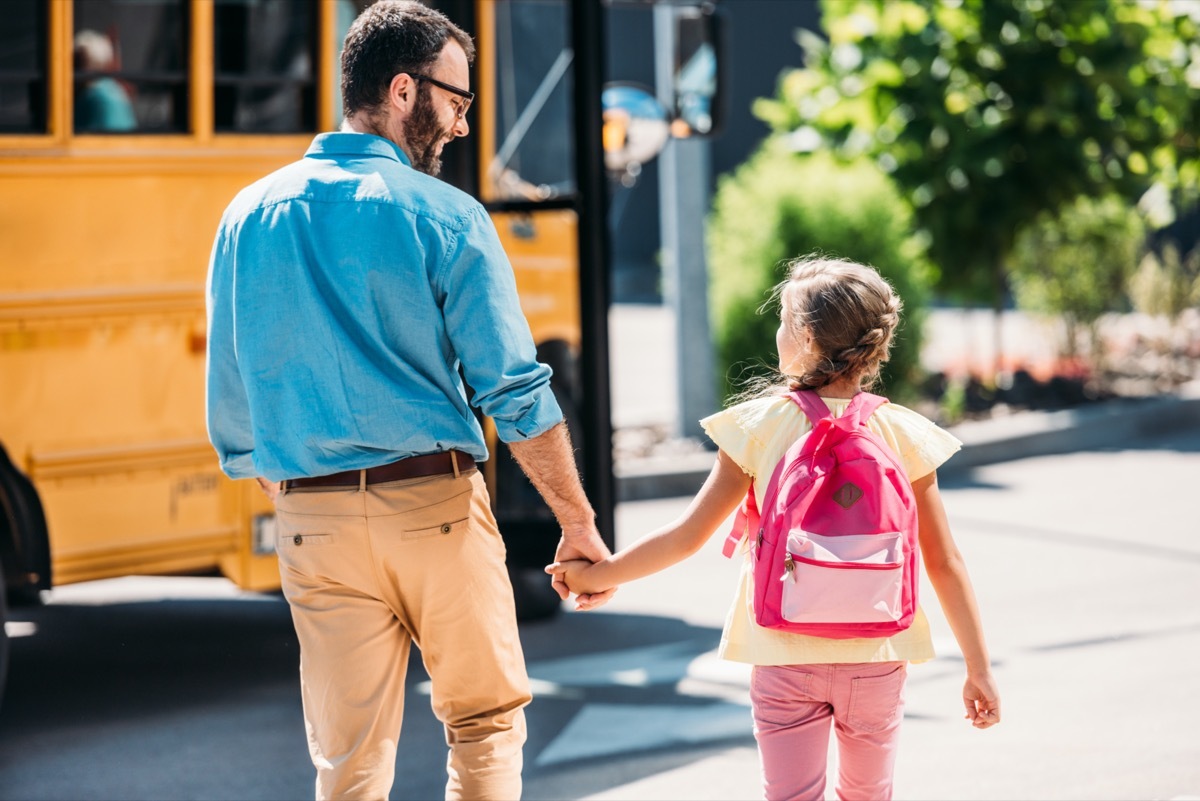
[
  {"x": 1087, "y": 566},
  {"x": 1086, "y": 560}
]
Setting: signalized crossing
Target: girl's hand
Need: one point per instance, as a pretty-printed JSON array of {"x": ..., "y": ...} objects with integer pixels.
[
  {"x": 982, "y": 699},
  {"x": 587, "y": 546},
  {"x": 575, "y": 573}
]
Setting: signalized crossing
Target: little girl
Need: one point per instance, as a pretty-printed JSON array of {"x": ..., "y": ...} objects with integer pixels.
[{"x": 837, "y": 319}]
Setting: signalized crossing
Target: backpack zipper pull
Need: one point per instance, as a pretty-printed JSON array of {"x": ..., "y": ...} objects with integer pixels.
[{"x": 788, "y": 567}]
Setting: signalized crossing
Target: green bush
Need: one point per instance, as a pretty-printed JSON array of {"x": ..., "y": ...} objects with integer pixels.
[
  {"x": 780, "y": 205},
  {"x": 1077, "y": 264}
]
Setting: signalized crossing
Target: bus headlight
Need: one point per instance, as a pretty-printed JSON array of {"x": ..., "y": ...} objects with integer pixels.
[{"x": 262, "y": 535}]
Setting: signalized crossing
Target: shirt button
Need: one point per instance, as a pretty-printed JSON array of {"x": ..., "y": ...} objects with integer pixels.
[
  {"x": 298, "y": 539},
  {"x": 445, "y": 528}
]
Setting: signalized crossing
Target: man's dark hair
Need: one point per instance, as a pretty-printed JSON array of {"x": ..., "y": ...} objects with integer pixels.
[{"x": 391, "y": 37}]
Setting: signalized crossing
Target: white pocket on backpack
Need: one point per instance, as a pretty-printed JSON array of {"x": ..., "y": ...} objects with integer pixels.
[{"x": 847, "y": 579}]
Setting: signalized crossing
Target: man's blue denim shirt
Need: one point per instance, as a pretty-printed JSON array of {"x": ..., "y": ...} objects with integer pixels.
[{"x": 344, "y": 291}]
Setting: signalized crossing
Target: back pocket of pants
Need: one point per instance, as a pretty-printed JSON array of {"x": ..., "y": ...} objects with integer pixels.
[
  {"x": 778, "y": 693},
  {"x": 876, "y": 701},
  {"x": 440, "y": 519},
  {"x": 300, "y": 539}
]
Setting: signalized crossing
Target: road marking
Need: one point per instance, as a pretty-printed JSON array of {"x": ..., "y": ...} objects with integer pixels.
[
  {"x": 610, "y": 729},
  {"x": 606, "y": 729},
  {"x": 631, "y": 667}
]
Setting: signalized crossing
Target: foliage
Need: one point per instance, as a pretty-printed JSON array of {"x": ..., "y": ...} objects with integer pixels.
[
  {"x": 778, "y": 206},
  {"x": 1169, "y": 285},
  {"x": 987, "y": 113},
  {"x": 952, "y": 406},
  {"x": 1077, "y": 264}
]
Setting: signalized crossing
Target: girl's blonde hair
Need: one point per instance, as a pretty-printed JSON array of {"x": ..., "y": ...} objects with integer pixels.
[{"x": 849, "y": 310}]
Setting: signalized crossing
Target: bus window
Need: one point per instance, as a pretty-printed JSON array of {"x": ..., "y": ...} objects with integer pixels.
[
  {"x": 23, "y": 67},
  {"x": 264, "y": 54},
  {"x": 130, "y": 66},
  {"x": 534, "y": 157}
]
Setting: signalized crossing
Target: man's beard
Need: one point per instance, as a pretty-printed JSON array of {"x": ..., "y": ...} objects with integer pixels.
[{"x": 423, "y": 133}]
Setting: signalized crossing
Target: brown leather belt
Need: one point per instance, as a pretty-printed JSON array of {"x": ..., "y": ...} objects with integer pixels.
[{"x": 431, "y": 464}]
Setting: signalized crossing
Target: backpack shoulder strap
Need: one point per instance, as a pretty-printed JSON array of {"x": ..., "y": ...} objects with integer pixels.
[
  {"x": 811, "y": 404},
  {"x": 861, "y": 407},
  {"x": 744, "y": 524}
]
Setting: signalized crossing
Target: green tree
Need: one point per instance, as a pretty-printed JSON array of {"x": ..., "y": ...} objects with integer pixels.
[
  {"x": 987, "y": 113},
  {"x": 779, "y": 205},
  {"x": 1077, "y": 265}
]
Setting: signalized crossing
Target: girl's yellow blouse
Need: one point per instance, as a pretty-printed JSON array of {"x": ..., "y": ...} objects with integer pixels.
[{"x": 756, "y": 434}]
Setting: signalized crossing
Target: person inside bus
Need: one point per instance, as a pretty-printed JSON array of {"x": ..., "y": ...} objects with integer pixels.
[
  {"x": 344, "y": 293},
  {"x": 101, "y": 102}
]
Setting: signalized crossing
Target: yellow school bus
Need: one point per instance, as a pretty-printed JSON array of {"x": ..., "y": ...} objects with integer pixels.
[{"x": 126, "y": 127}]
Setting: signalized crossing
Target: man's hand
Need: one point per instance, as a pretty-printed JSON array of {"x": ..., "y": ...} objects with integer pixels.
[
  {"x": 270, "y": 488},
  {"x": 581, "y": 543},
  {"x": 549, "y": 462}
]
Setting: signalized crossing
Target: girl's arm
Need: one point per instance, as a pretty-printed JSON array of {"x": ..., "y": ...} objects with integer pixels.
[
  {"x": 723, "y": 490},
  {"x": 948, "y": 573}
]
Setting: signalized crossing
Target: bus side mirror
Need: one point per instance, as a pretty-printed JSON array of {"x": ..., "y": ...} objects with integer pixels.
[
  {"x": 635, "y": 129},
  {"x": 696, "y": 84}
]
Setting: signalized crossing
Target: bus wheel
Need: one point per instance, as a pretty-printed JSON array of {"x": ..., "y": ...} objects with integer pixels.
[{"x": 24, "y": 540}]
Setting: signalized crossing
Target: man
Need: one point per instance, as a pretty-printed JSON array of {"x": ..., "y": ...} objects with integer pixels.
[{"x": 344, "y": 293}]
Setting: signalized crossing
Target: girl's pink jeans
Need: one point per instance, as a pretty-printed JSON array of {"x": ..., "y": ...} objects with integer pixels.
[{"x": 793, "y": 708}]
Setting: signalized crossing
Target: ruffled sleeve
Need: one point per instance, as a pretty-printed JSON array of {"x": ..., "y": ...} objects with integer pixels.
[
  {"x": 756, "y": 433},
  {"x": 729, "y": 431},
  {"x": 919, "y": 442}
]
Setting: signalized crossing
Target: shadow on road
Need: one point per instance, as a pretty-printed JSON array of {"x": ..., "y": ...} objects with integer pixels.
[
  {"x": 213, "y": 681},
  {"x": 131, "y": 659}
]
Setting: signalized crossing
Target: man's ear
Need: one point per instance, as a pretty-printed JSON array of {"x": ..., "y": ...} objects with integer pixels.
[{"x": 402, "y": 93}]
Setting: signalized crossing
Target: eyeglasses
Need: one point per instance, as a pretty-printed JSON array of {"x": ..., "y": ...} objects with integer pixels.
[{"x": 467, "y": 97}]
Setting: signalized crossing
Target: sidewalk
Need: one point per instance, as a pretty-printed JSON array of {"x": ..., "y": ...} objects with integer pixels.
[{"x": 644, "y": 407}]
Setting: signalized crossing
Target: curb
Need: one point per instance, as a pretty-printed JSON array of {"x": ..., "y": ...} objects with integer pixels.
[
  {"x": 1018, "y": 436},
  {"x": 662, "y": 477},
  {"x": 1068, "y": 431}
]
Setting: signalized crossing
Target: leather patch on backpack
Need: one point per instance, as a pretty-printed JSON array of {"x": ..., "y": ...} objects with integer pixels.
[{"x": 847, "y": 495}]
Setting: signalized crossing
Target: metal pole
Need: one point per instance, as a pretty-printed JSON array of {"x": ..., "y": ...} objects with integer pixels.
[
  {"x": 587, "y": 40},
  {"x": 683, "y": 191}
]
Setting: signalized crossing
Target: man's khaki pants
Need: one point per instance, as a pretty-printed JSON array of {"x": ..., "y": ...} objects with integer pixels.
[{"x": 368, "y": 571}]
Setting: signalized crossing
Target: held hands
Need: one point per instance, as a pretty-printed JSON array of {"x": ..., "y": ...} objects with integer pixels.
[
  {"x": 574, "y": 573},
  {"x": 584, "y": 545},
  {"x": 982, "y": 699}
]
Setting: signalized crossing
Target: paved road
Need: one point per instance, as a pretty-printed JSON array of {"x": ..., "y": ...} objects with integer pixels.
[{"x": 1087, "y": 566}]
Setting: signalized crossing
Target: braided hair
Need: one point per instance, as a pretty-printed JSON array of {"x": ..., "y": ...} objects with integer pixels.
[{"x": 850, "y": 312}]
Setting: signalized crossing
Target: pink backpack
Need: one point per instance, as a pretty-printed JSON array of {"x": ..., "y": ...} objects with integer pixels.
[{"x": 835, "y": 554}]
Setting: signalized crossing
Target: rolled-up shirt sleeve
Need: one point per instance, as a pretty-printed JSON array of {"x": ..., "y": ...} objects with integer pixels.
[
  {"x": 490, "y": 335},
  {"x": 227, "y": 410}
]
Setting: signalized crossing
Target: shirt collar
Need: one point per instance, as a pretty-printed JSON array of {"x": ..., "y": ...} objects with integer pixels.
[{"x": 343, "y": 143}]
